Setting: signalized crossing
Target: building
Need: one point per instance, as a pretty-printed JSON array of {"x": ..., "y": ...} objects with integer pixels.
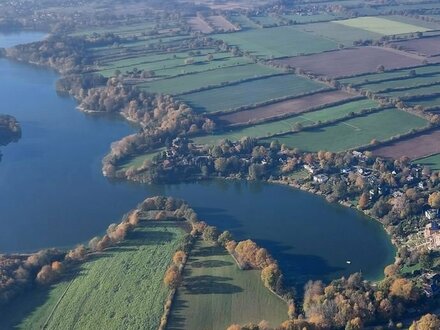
[
  {"x": 431, "y": 214},
  {"x": 432, "y": 235},
  {"x": 320, "y": 178}
]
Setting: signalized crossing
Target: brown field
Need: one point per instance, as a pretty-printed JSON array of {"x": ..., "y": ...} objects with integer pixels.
[
  {"x": 352, "y": 61},
  {"x": 424, "y": 46},
  {"x": 417, "y": 147},
  {"x": 200, "y": 25},
  {"x": 293, "y": 106},
  {"x": 221, "y": 23}
]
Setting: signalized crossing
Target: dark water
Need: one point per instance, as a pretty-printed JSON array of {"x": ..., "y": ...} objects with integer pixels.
[{"x": 52, "y": 192}]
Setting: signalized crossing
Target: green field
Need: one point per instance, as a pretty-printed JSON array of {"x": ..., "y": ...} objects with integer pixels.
[
  {"x": 286, "y": 125},
  {"x": 413, "y": 92},
  {"x": 427, "y": 102},
  {"x": 244, "y": 22},
  {"x": 354, "y": 132},
  {"x": 187, "y": 83},
  {"x": 338, "y": 33},
  {"x": 216, "y": 294},
  {"x": 301, "y": 19},
  {"x": 432, "y": 161},
  {"x": 277, "y": 42},
  {"x": 138, "y": 161},
  {"x": 133, "y": 29},
  {"x": 251, "y": 92},
  {"x": 381, "y": 25},
  {"x": 412, "y": 82},
  {"x": 120, "y": 288}
]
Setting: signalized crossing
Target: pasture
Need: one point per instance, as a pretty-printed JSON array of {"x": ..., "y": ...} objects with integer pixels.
[
  {"x": 200, "y": 25},
  {"x": 119, "y": 288},
  {"x": 216, "y": 293},
  {"x": 338, "y": 33},
  {"x": 382, "y": 25},
  {"x": 186, "y": 83},
  {"x": 415, "y": 147},
  {"x": 250, "y": 93},
  {"x": 289, "y": 107},
  {"x": 433, "y": 162},
  {"x": 351, "y": 61},
  {"x": 353, "y": 133},
  {"x": 277, "y": 42},
  {"x": 288, "y": 124},
  {"x": 138, "y": 161}
]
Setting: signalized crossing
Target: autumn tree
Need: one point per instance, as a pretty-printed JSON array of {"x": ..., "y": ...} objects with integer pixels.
[
  {"x": 434, "y": 200},
  {"x": 426, "y": 322},
  {"x": 363, "y": 201},
  {"x": 404, "y": 289},
  {"x": 270, "y": 276},
  {"x": 179, "y": 257},
  {"x": 172, "y": 277}
]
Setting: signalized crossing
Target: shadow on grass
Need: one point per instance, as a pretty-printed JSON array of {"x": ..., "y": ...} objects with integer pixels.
[
  {"x": 208, "y": 284},
  {"x": 210, "y": 264}
]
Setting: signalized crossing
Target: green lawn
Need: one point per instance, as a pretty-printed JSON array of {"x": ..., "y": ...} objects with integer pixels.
[
  {"x": 138, "y": 161},
  {"x": 432, "y": 161},
  {"x": 277, "y": 41},
  {"x": 216, "y": 294},
  {"x": 416, "y": 91},
  {"x": 381, "y": 25},
  {"x": 354, "y": 132},
  {"x": 121, "y": 288},
  {"x": 427, "y": 102},
  {"x": 186, "y": 83},
  {"x": 286, "y": 125},
  {"x": 250, "y": 93}
]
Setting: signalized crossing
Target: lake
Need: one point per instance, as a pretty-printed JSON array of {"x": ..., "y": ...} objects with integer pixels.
[{"x": 52, "y": 192}]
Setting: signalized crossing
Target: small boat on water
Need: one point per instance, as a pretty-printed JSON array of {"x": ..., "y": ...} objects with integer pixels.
[{"x": 348, "y": 262}]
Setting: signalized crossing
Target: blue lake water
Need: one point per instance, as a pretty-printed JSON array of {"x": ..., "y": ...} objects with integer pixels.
[{"x": 52, "y": 192}]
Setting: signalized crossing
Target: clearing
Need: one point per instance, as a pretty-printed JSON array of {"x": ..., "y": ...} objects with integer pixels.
[{"x": 216, "y": 293}]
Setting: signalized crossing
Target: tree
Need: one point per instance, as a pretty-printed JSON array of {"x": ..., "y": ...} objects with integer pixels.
[
  {"x": 210, "y": 233},
  {"x": 434, "y": 200},
  {"x": 363, "y": 201},
  {"x": 426, "y": 322},
  {"x": 270, "y": 276},
  {"x": 172, "y": 277},
  {"x": 390, "y": 270},
  {"x": 224, "y": 238},
  {"x": 179, "y": 257},
  {"x": 404, "y": 289}
]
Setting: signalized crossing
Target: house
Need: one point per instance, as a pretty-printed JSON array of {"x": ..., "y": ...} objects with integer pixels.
[
  {"x": 431, "y": 284},
  {"x": 310, "y": 168},
  {"x": 422, "y": 185},
  {"x": 320, "y": 178},
  {"x": 431, "y": 214},
  {"x": 432, "y": 235}
]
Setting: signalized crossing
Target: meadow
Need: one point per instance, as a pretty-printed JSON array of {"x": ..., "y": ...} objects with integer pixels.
[
  {"x": 338, "y": 33},
  {"x": 354, "y": 132},
  {"x": 250, "y": 93},
  {"x": 119, "y": 288},
  {"x": 277, "y": 42},
  {"x": 432, "y": 161},
  {"x": 288, "y": 124},
  {"x": 186, "y": 83},
  {"x": 382, "y": 25},
  {"x": 216, "y": 293},
  {"x": 138, "y": 160}
]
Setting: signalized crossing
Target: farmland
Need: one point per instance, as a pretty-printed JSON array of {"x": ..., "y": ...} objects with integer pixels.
[
  {"x": 354, "y": 132},
  {"x": 216, "y": 293},
  {"x": 289, "y": 107},
  {"x": 382, "y": 25},
  {"x": 288, "y": 124},
  {"x": 186, "y": 83},
  {"x": 350, "y": 62},
  {"x": 277, "y": 42},
  {"x": 415, "y": 147},
  {"x": 428, "y": 46},
  {"x": 250, "y": 93},
  {"x": 119, "y": 288}
]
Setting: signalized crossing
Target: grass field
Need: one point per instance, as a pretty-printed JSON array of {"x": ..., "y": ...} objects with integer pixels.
[
  {"x": 354, "y": 132},
  {"x": 216, "y": 294},
  {"x": 119, "y": 289},
  {"x": 139, "y": 160},
  {"x": 186, "y": 83},
  {"x": 244, "y": 22},
  {"x": 251, "y": 92},
  {"x": 277, "y": 42},
  {"x": 382, "y": 25},
  {"x": 414, "y": 92},
  {"x": 339, "y": 33},
  {"x": 168, "y": 66},
  {"x": 286, "y": 125},
  {"x": 432, "y": 161}
]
